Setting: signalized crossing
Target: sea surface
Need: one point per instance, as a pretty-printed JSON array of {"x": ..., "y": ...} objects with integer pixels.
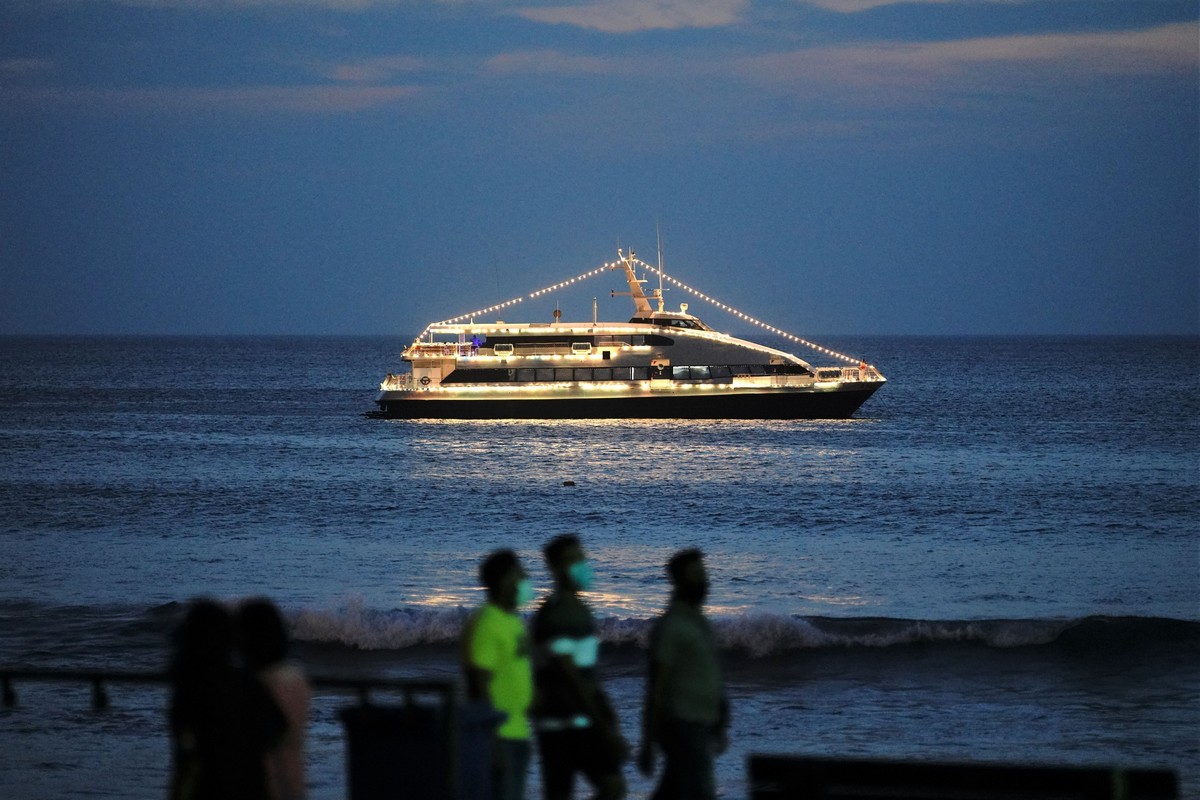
[{"x": 997, "y": 559}]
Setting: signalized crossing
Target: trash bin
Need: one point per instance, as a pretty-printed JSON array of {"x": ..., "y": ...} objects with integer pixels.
[{"x": 415, "y": 750}]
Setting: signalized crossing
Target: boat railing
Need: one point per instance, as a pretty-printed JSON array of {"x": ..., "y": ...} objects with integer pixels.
[
  {"x": 771, "y": 380},
  {"x": 444, "y": 349},
  {"x": 393, "y": 383},
  {"x": 823, "y": 375},
  {"x": 860, "y": 374}
]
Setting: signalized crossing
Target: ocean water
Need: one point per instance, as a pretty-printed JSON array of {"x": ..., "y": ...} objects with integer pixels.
[{"x": 997, "y": 559}]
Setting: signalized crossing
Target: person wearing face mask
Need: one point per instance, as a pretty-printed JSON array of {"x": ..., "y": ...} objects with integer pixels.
[
  {"x": 577, "y": 729},
  {"x": 686, "y": 712},
  {"x": 498, "y": 671}
]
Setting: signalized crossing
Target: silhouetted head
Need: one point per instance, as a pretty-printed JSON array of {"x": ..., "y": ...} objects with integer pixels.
[
  {"x": 500, "y": 573},
  {"x": 261, "y": 634},
  {"x": 688, "y": 576},
  {"x": 203, "y": 639},
  {"x": 562, "y": 554},
  {"x": 558, "y": 550}
]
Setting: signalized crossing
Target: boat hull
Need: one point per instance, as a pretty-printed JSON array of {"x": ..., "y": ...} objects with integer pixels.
[{"x": 835, "y": 404}]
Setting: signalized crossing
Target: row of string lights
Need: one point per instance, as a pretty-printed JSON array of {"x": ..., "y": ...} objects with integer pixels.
[{"x": 613, "y": 265}]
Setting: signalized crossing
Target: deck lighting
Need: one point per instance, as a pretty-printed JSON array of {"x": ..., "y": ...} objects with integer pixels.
[{"x": 694, "y": 292}]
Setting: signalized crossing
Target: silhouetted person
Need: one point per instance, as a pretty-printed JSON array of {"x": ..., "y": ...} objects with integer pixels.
[
  {"x": 686, "y": 713},
  {"x": 577, "y": 728},
  {"x": 223, "y": 722},
  {"x": 497, "y": 667},
  {"x": 263, "y": 642}
]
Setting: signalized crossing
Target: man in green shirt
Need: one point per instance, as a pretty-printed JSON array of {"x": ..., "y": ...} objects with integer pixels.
[
  {"x": 686, "y": 712},
  {"x": 577, "y": 729},
  {"x": 497, "y": 666}
]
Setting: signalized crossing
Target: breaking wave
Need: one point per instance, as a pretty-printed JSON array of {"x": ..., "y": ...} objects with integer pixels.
[{"x": 356, "y": 626}]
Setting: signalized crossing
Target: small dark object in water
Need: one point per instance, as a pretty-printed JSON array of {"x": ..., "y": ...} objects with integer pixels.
[{"x": 568, "y": 483}]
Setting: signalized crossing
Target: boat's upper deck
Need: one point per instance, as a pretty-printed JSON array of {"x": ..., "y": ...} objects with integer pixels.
[{"x": 508, "y": 340}]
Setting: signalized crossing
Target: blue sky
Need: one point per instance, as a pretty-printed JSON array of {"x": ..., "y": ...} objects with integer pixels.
[{"x": 368, "y": 166}]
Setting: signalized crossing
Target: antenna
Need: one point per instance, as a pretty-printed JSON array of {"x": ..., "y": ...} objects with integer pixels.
[{"x": 658, "y": 234}]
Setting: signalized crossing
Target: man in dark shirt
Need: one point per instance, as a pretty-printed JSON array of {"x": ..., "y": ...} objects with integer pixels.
[
  {"x": 686, "y": 712},
  {"x": 577, "y": 729}
]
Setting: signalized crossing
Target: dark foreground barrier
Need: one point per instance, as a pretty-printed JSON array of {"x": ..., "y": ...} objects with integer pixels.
[
  {"x": 439, "y": 751},
  {"x": 421, "y": 742},
  {"x": 802, "y": 778}
]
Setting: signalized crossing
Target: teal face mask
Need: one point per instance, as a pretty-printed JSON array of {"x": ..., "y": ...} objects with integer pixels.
[
  {"x": 582, "y": 574},
  {"x": 524, "y": 592}
]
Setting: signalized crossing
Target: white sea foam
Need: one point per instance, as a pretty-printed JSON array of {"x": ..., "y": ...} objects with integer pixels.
[{"x": 355, "y": 625}]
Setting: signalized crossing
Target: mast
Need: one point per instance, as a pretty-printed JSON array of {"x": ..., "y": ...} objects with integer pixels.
[
  {"x": 640, "y": 302},
  {"x": 659, "y": 294}
]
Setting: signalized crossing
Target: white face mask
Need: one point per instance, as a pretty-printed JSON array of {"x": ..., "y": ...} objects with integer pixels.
[{"x": 524, "y": 592}]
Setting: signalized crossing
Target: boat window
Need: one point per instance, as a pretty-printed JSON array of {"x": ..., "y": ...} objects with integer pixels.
[
  {"x": 563, "y": 374},
  {"x": 700, "y": 373},
  {"x": 583, "y": 373},
  {"x": 680, "y": 373},
  {"x": 658, "y": 341},
  {"x": 545, "y": 373},
  {"x": 720, "y": 371},
  {"x": 477, "y": 376},
  {"x": 758, "y": 369},
  {"x": 602, "y": 374},
  {"x": 640, "y": 373},
  {"x": 526, "y": 374}
]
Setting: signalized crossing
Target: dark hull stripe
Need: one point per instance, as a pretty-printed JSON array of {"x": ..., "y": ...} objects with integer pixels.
[{"x": 765, "y": 405}]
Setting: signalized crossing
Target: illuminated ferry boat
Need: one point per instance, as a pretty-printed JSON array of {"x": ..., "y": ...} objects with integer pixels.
[{"x": 659, "y": 364}]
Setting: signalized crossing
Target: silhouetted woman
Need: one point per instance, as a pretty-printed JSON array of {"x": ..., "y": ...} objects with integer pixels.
[
  {"x": 223, "y": 721},
  {"x": 263, "y": 641}
]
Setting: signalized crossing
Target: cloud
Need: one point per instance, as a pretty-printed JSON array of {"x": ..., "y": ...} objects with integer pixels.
[
  {"x": 855, "y": 6},
  {"x": 370, "y": 71},
  {"x": 555, "y": 62},
  {"x": 1165, "y": 48},
  {"x": 17, "y": 68},
  {"x": 629, "y": 16},
  {"x": 252, "y": 99},
  {"x": 924, "y": 65},
  {"x": 210, "y": 5}
]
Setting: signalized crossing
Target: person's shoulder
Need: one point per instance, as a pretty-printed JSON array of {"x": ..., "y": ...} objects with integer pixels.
[
  {"x": 552, "y": 607},
  {"x": 486, "y": 618},
  {"x": 286, "y": 674},
  {"x": 563, "y": 612},
  {"x": 491, "y": 611},
  {"x": 676, "y": 619}
]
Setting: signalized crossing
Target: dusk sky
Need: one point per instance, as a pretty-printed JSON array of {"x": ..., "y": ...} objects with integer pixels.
[{"x": 829, "y": 166}]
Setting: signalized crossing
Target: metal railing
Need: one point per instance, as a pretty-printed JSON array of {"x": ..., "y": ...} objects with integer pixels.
[
  {"x": 98, "y": 679},
  {"x": 433, "y": 349},
  {"x": 401, "y": 382}
]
